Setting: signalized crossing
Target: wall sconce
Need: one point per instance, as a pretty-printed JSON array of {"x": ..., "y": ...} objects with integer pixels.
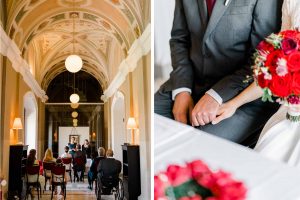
[{"x": 131, "y": 125}]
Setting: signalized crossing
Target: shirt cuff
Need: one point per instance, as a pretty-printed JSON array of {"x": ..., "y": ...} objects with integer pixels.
[
  {"x": 179, "y": 90},
  {"x": 215, "y": 95}
]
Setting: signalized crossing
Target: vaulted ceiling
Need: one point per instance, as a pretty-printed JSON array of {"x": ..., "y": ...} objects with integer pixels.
[{"x": 43, "y": 30}]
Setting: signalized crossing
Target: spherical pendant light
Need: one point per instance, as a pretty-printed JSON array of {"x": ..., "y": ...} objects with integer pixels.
[
  {"x": 74, "y": 114},
  {"x": 73, "y": 63},
  {"x": 74, "y": 98},
  {"x": 75, "y": 121},
  {"x": 75, "y": 124},
  {"x": 74, "y": 105}
]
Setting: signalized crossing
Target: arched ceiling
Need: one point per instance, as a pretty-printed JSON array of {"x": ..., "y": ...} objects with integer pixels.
[{"x": 46, "y": 27}]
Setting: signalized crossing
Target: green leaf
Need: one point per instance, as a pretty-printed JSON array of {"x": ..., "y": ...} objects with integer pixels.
[{"x": 187, "y": 189}]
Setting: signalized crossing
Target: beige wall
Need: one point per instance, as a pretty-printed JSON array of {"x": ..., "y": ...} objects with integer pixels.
[{"x": 137, "y": 88}]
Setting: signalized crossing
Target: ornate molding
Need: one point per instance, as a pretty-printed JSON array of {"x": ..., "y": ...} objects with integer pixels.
[
  {"x": 9, "y": 49},
  {"x": 139, "y": 48}
]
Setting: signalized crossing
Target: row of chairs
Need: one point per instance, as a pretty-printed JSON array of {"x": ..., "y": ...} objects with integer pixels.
[{"x": 57, "y": 176}]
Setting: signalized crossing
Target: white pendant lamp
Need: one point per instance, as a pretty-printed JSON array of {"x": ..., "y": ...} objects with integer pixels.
[
  {"x": 73, "y": 63},
  {"x": 75, "y": 121},
  {"x": 74, "y": 98},
  {"x": 74, "y": 114}
]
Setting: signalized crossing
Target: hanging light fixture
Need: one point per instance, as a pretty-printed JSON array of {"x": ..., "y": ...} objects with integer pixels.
[
  {"x": 74, "y": 105},
  {"x": 74, "y": 114},
  {"x": 74, "y": 98},
  {"x": 75, "y": 121},
  {"x": 73, "y": 62}
]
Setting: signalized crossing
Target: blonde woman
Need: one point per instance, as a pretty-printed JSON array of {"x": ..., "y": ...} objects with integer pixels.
[{"x": 49, "y": 156}]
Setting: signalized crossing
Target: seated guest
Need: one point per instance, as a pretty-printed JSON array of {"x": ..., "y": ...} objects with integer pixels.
[
  {"x": 86, "y": 148},
  {"x": 59, "y": 178},
  {"x": 31, "y": 159},
  {"x": 92, "y": 174},
  {"x": 49, "y": 156},
  {"x": 109, "y": 168},
  {"x": 79, "y": 161},
  {"x": 72, "y": 145},
  {"x": 66, "y": 154}
]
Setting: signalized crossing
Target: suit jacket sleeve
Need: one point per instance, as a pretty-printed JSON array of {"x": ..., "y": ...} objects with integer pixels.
[
  {"x": 182, "y": 74},
  {"x": 266, "y": 19}
]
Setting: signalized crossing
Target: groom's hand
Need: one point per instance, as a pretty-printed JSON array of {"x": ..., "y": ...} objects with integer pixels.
[
  {"x": 205, "y": 111},
  {"x": 183, "y": 107}
]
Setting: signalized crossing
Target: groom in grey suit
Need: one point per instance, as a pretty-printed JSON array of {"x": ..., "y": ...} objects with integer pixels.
[{"x": 211, "y": 46}]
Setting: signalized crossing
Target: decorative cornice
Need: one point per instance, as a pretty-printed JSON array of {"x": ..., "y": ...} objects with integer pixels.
[
  {"x": 139, "y": 48},
  {"x": 9, "y": 49}
]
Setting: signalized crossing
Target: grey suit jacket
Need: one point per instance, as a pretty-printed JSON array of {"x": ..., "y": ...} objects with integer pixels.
[{"x": 216, "y": 53}]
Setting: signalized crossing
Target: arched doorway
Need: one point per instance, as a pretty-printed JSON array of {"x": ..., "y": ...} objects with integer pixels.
[
  {"x": 30, "y": 120},
  {"x": 118, "y": 128}
]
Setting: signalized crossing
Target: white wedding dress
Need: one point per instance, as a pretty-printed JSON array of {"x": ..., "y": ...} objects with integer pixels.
[{"x": 280, "y": 138}]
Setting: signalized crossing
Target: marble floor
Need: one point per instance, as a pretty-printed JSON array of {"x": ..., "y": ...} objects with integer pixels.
[{"x": 78, "y": 190}]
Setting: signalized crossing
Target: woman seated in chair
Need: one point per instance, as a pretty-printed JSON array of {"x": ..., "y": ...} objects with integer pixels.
[
  {"x": 60, "y": 177},
  {"x": 32, "y": 161},
  {"x": 92, "y": 174},
  {"x": 48, "y": 158}
]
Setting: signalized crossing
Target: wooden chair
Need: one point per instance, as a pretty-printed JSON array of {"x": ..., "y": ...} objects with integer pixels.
[
  {"x": 68, "y": 164},
  {"x": 79, "y": 166},
  {"x": 58, "y": 178},
  {"x": 47, "y": 166},
  {"x": 32, "y": 179}
]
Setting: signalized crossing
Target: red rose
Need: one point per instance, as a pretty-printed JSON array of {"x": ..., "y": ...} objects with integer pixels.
[
  {"x": 262, "y": 82},
  {"x": 159, "y": 187},
  {"x": 265, "y": 46},
  {"x": 293, "y": 61},
  {"x": 272, "y": 59},
  {"x": 296, "y": 83},
  {"x": 178, "y": 175},
  {"x": 289, "y": 33},
  {"x": 280, "y": 85},
  {"x": 198, "y": 168},
  {"x": 289, "y": 45}
]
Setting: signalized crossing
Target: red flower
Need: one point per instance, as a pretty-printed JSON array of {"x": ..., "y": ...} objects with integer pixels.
[
  {"x": 289, "y": 45},
  {"x": 178, "y": 175},
  {"x": 296, "y": 83},
  {"x": 272, "y": 59},
  {"x": 159, "y": 187},
  {"x": 289, "y": 33},
  {"x": 262, "y": 82},
  {"x": 265, "y": 46},
  {"x": 198, "y": 168},
  {"x": 293, "y": 61},
  {"x": 280, "y": 85}
]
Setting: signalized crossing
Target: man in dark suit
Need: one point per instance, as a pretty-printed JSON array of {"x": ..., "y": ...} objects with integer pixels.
[
  {"x": 109, "y": 169},
  {"x": 211, "y": 46},
  {"x": 79, "y": 161},
  {"x": 92, "y": 174}
]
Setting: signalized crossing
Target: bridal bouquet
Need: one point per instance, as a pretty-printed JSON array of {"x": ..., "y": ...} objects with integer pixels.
[
  {"x": 277, "y": 66},
  {"x": 195, "y": 181}
]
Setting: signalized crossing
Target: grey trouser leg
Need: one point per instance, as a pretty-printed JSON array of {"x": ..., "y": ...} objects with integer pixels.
[{"x": 163, "y": 103}]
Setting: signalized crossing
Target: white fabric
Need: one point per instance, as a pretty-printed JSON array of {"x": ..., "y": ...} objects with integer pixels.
[
  {"x": 290, "y": 14},
  {"x": 176, "y": 143},
  {"x": 279, "y": 139},
  {"x": 179, "y": 90},
  {"x": 215, "y": 95}
]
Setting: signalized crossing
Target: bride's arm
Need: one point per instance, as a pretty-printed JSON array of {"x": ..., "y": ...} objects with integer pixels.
[{"x": 251, "y": 93}]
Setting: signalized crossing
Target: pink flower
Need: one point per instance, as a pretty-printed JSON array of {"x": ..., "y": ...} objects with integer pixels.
[
  {"x": 198, "y": 168},
  {"x": 160, "y": 185},
  {"x": 281, "y": 68},
  {"x": 289, "y": 45},
  {"x": 178, "y": 175},
  {"x": 195, "y": 197}
]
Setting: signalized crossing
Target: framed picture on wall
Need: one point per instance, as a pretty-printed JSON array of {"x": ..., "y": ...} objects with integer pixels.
[{"x": 76, "y": 137}]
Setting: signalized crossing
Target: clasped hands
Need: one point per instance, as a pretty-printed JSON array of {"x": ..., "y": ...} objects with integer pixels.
[{"x": 207, "y": 110}]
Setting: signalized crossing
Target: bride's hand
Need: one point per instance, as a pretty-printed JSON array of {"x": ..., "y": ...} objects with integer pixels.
[{"x": 225, "y": 111}]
